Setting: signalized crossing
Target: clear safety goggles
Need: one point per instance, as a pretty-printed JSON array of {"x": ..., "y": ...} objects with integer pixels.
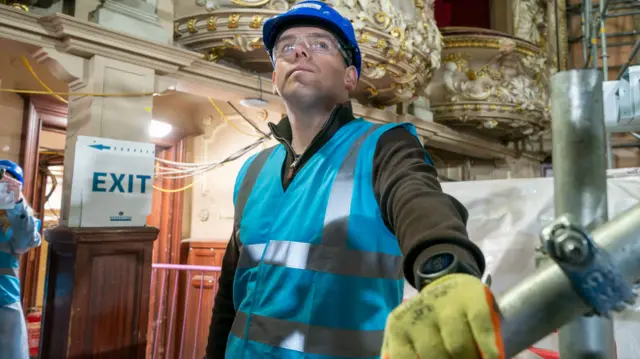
[{"x": 315, "y": 43}]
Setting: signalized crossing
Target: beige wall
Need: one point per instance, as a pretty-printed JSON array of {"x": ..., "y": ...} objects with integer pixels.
[
  {"x": 510, "y": 169},
  {"x": 164, "y": 11},
  {"x": 52, "y": 140},
  {"x": 84, "y": 7},
  {"x": 11, "y": 110},
  {"x": 476, "y": 170},
  {"x": 626, "y": 158},
  {"x": 212, "y": 194}
]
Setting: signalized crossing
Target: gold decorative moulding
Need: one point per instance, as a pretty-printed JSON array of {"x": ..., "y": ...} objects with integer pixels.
[
  {"x": 400, "y": 46},
  {"x": 491, "y": 84}
]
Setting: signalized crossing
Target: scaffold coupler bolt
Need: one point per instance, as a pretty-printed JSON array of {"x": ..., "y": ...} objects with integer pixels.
[{"x": 589, "y": 268}]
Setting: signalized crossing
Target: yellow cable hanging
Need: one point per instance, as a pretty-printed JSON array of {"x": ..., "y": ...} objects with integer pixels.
[
  {"x": 49, "y": 91},
  {"x": 58, "y": 94},
  {"x": 26, "y": 64},
  {"x": 228, "y": 121},
  {"x": 165, "y": 190},
  {"x": 117, "y": 94}
]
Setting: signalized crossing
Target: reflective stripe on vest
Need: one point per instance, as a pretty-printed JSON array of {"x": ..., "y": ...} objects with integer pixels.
[
  {"x": 330, "y": 256},
  {"x": 9, "y": 271},
  {"x": 323, "y": 258},
  {"x": 309, "y": 338},
  {"x": 248, "y": 182}
]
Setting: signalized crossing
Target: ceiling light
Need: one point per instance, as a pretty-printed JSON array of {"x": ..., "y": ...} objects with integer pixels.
[
  {"x": 254, "y": 103},
  {"x": 159, "y": 129}
]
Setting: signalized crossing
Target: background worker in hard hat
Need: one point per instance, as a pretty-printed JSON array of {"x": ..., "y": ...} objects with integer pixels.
[
  {"x": 19, "y": 232},
  {"x": 330, "y": 221}
]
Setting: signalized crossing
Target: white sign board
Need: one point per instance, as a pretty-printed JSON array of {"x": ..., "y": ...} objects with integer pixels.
[{"x": 112, "y": 183}]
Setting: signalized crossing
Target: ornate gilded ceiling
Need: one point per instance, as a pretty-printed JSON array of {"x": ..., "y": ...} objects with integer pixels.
[
  {"x": 400, "y": 42},
  {"x": 479, "y": 80}
]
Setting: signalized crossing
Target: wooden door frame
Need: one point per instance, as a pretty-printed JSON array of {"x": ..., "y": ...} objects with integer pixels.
[
  {"x": 40, "y": 113},
  {"x": 46, "y": 113},
  {"x": 166, "y": 215},
  {"x": 29, "y": 160}
]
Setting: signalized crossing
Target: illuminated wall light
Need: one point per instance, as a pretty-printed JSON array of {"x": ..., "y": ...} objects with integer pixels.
[
  {"x": 159, "y": 129},
  {"x": 254, "y": 103}
]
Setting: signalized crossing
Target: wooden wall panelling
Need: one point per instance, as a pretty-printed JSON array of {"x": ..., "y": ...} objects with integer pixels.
[{"x": 208, "y": 253}]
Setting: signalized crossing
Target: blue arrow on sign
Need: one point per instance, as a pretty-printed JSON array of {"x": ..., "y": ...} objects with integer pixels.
[{"x": 100, "y": 147}]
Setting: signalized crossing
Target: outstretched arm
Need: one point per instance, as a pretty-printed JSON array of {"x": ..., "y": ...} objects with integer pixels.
[
  {"x": 425, "y": 220},
  {"x": 25, "y": 228}
]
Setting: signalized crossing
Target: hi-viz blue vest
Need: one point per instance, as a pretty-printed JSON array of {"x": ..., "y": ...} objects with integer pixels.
[
  {"x": 318, "y": 272},
  {"x": 9, "y": 279}
]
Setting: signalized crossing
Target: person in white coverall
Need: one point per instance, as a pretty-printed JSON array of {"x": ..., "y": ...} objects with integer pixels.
[{"x": 19, "y": 232}]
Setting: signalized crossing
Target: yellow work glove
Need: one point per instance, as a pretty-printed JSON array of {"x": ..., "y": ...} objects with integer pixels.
[{"x": 455, "y": 317}]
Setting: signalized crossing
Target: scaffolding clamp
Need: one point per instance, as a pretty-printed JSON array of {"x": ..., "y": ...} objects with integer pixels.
[
  {"x": 589, "y": 268},
  {"x": 621, "y": 100}
]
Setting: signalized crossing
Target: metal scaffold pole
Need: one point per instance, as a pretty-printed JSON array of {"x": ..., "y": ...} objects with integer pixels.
[
  {"x": 580, "y": 187},
  {"x": 605, "y": 68}
]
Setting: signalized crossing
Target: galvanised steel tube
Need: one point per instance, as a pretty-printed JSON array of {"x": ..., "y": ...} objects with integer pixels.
[
  {"x": 580, "y": 187},
  {"x": 546, "y": 301}
]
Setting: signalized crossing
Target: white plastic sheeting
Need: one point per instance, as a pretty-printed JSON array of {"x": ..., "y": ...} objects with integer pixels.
[{"x": 505, "y": 219}]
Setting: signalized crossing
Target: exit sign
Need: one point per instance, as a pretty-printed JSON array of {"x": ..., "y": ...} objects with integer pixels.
[{"x": 112, "y": 183}]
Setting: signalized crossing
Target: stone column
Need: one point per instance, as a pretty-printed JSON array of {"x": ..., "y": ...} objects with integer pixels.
[
  {"x": 121, "y": 118},
  {"x": 98, "y": 278},
  {"x": 136, "y": 17}
]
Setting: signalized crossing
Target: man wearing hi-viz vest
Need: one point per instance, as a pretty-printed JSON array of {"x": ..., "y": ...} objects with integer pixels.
[{"x": 331, "y": 221}]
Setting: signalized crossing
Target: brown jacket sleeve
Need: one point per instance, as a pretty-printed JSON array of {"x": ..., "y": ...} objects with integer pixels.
[
  {"x": 425, "y": 220},
  {"x": 223, "y": 312}
]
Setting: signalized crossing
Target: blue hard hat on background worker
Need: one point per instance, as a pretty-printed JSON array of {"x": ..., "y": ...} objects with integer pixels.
[
  {"x": 319, "y": 14},
  {"x": 13, "y": 169}
]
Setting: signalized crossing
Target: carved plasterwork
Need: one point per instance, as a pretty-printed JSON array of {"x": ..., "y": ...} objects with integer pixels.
[
  {"x": 530, "y": 20},
  {"x": 493, "y": 84},
  {"x": 185, "y": 71},
  {"x": 399, "y": 40},
  {"x": 543, "y": 23}
]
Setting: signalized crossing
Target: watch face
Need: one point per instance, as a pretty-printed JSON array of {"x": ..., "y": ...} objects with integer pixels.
[{"x": 438, "y": 263}]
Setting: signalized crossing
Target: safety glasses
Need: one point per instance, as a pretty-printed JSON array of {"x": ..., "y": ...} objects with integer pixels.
[{"x": 285, "y": 47}]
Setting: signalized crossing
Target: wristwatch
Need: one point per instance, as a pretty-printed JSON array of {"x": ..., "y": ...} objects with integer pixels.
[{"x": 436, "y": 267}]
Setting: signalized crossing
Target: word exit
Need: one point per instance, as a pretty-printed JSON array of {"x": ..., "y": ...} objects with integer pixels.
[{"x": 120, "y": 181}]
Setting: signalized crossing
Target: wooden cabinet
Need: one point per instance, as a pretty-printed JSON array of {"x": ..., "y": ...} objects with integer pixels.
[
  {"x": 97, "y": 297},
  {"x": 200, "y": 293}
]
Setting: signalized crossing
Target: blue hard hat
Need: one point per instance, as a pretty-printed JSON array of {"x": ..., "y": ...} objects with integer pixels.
[
  {"x": 314, "y": 13},
  {"x": 13, "y": 169}
]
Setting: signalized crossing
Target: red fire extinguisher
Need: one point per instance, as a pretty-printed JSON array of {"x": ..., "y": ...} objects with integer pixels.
[{"x": 34, "y": 320}]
